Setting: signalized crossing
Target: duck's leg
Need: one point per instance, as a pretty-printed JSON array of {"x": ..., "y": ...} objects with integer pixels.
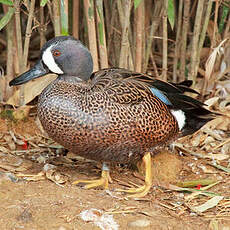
[
  {"x": 102, "y": 182},
  {"x": 143, "y": 190}
]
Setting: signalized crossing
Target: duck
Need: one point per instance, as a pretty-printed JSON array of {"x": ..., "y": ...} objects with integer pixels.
[{"x": 112, "y": 115}]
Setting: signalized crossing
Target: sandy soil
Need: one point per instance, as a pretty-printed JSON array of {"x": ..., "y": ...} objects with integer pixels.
[{"x": 47, "y": 204}]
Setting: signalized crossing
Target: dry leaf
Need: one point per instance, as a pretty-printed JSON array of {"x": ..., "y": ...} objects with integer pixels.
[
  {"x": 31, "y": 89},
  {"x": 211, "y": 101},
  {"x": 208, "y": 204},
  {"x": 10, "y": 142}
]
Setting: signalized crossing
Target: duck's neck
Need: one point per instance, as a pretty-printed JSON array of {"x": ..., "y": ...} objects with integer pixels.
[{"x": 70, "y": 79}]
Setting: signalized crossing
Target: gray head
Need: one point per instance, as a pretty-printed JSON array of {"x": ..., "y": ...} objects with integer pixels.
[
  {"x": 62, "y": 55},
  {"x": 66, "y": 55}
]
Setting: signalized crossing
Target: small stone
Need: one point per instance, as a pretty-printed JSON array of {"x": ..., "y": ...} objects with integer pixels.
[{"x": 141, "y": 223}]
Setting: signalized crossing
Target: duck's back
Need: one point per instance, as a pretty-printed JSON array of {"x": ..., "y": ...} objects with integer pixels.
[{"x": 106, "y": 119}]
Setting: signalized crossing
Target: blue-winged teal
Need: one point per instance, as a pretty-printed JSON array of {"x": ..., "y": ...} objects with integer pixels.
[{"x": 113, "y": 115}]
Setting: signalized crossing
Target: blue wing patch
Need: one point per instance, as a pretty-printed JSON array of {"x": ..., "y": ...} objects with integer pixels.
[{"x": 160, "y": 95}]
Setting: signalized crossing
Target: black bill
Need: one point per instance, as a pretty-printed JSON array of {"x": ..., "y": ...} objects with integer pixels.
[{"x": 37, "y": 71}]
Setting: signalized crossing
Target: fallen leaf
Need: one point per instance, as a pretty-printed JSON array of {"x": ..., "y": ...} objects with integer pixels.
[
  {"x": 31, "y": 90},
  {"x": 208, "y": 204}
]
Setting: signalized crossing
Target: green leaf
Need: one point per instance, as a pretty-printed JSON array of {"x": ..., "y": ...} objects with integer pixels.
[
  {"x": 7, "y": 2},
  {"x": 223, "y": 18},
  {"x": 64, "y": 18},
  {"x": 136, "y": 3},
  {"x": 101, "y": 33},
  {"x": 6, "y": 18},
  {"x": 171, "y": 13},
  {"x": 43, "y": 2}
]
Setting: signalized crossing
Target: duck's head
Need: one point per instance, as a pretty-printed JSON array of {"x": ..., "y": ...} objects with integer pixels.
[{"x": 60, "y": 55}]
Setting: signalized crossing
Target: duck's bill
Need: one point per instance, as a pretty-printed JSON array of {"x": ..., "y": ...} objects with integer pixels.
[{"x": 37, "y": 71}]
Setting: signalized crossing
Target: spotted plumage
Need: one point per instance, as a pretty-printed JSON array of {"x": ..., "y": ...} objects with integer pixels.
[{"x": 113, "y": 115}]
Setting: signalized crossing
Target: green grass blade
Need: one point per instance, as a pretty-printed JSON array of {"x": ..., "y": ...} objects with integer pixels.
[
  {"x": 7, "y": 2},
  {"x": 171, "y": 13},
  {"x": 6, "y": 18},
  {"x": 43, "y": 2},
  {"x": 136, "y": 3}
]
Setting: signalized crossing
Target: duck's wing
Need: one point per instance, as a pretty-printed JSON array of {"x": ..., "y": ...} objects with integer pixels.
[
  {"x": 122, "y": 86},
  {"x": 130, "y": 87},
  {"x": 127, "y": 87}
]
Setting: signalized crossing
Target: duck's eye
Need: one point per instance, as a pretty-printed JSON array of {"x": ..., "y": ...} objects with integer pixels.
[{"x": 56, "y": 53}]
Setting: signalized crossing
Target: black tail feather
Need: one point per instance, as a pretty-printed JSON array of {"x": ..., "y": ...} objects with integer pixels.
[{"x": 196, "y": 115}]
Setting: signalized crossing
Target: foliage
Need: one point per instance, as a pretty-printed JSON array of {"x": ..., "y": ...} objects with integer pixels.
[
  {"x": 128, "y": 33},
  {"x": 6, "y": 18}
]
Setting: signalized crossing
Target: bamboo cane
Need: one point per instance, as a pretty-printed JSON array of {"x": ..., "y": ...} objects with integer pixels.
[
  {"x": 195, "y": 41},
  {"x": 75, "y": 20},
  {"x": 165, "y": 42},
  {"x": 139, "y": 22},
  {"x": 89, "y": 12},
  {"x": 184, "y": 36},
  {"x": 178, "y": 39},
  {"x": 101, "y": 35}
]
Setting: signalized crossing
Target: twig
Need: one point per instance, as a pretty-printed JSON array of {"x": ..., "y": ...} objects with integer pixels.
[{"x": 227, "y": 170}]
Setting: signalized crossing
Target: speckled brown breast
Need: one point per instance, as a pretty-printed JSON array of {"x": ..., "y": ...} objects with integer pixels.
[{"x": 92, "y": 125}]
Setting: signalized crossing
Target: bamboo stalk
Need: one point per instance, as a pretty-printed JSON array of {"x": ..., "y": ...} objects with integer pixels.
[
  {"x": 203, "y": 33},
  {"x": 123, "y": 60},
  {"x": 227, "y": 27},
  {"x": 28, "y": 34},
  {"x": 18, "y": 33},
  {"x": 101, "y": 35},
  {"x": 51, "y": 10},
  {"x": 110, "y": 21},
  {"x": 139, "y": 23},
  {"x": 154, "y": 26},
  {"x": 178, "y": 39},
  {"x": 154, "y": 66},
  {"x": 5, "y": 90},
  {"x": 213, "y": 42},
  {"x": 195, "y": 41},
  {"x": 184, "y": 38},
  {"x": 56, "y": 18},
  {"x": 89, "y": 12},
  {"x": 110, "y": 11},
  {"x": 75, "y": 20},
  {"x": 121, "y": 12},
  {"x": 165, "y": 42},
  {"x": 115, "y": 38},
  {"x": 42, "y": 27}
]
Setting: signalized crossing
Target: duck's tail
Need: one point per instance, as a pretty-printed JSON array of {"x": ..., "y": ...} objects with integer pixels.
[{"x": 189, "y": 112}]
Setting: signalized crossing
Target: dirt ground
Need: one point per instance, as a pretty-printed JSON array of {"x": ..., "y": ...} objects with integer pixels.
[{"x": 50, "y": 201}]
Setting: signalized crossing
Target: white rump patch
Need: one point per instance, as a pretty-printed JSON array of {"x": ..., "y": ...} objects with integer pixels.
[
  {"x": 49, "y": 61},
  {"x": 180, "y": 117}
]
